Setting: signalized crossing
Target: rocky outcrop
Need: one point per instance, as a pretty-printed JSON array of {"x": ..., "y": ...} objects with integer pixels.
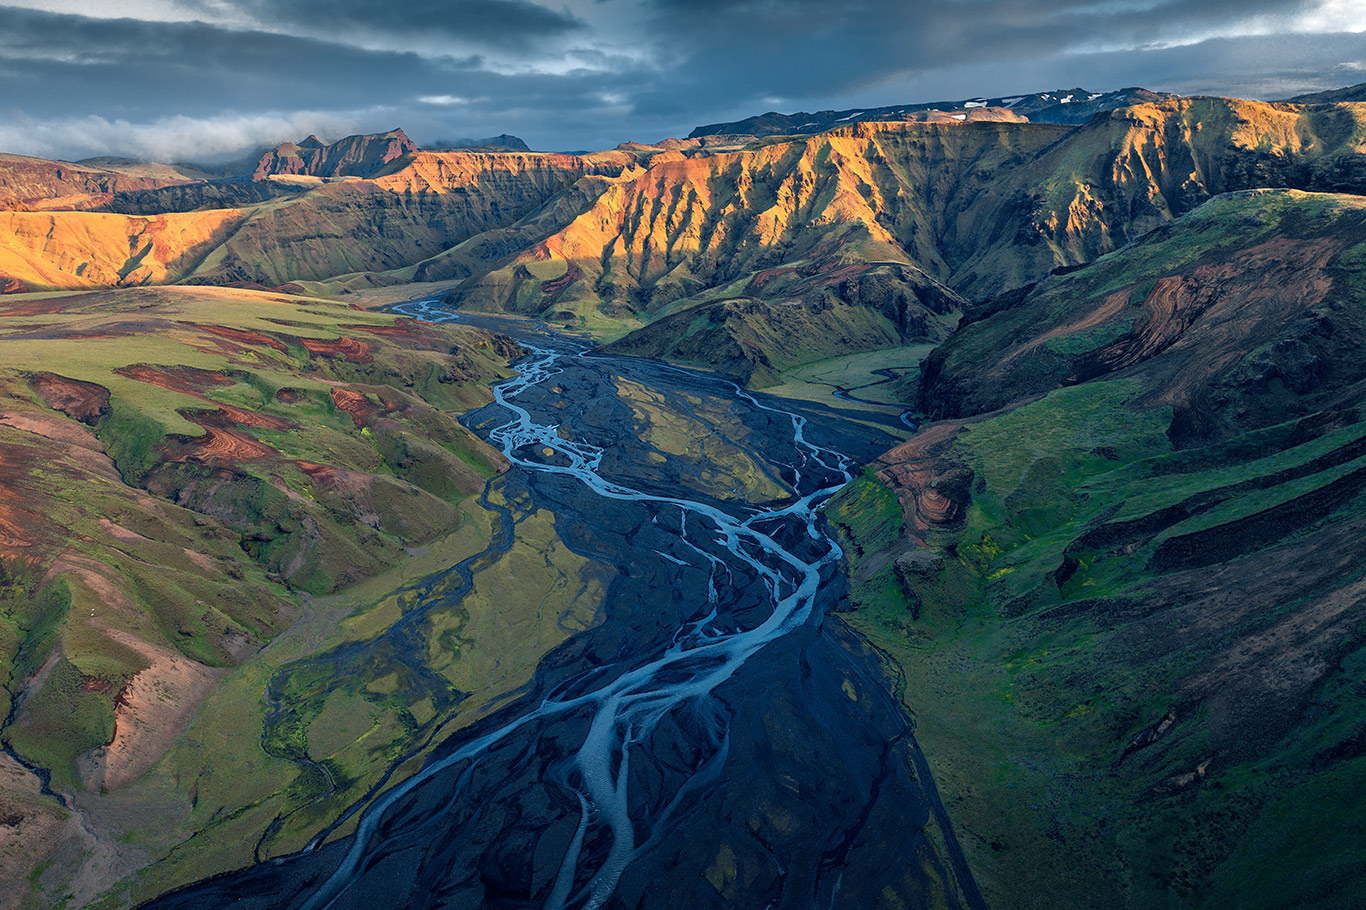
[
  {"x": 503, "y": 142},
  {"x": 353, "y": 156}
]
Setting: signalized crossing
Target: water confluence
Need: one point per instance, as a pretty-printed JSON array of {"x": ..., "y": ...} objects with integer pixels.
[{"x": 713, "y": 742}]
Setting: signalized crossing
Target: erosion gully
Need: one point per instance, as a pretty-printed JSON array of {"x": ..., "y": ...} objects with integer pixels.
[{"x": 713, "y": 742}]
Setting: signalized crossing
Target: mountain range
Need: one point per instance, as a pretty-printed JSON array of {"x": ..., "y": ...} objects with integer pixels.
[{"x": 1117, "y": 567}]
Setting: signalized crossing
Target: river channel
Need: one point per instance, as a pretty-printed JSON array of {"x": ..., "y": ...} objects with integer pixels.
[{"x": 717, "y": 740}]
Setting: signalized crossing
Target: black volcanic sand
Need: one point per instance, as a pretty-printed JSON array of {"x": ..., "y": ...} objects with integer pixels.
[{"x": 796, "y": 783}]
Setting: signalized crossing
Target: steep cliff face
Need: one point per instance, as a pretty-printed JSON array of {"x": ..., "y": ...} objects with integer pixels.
[
  {"x": 353, "y": 156},
  {"x": 1132, "y": 546},
  {"x": 979, "y": 206},
  {"x": 749, "y": 223}
]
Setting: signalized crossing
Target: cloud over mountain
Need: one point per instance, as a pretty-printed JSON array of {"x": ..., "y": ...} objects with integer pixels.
[{"x": 585, "y": 73}]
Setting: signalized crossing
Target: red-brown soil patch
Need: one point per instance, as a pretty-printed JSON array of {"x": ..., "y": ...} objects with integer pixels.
[
  {"x": 248, "y": 418},
  {"x": 222, "y": 445},
  {"x": 552, "y": 289},
  {"x": 74, "y": 438},
  {"x": 192, "y": 382},
  {"x": 45, "y": 306},
  {"x": 355, "y": 404},
  {"x": 76, "y": 398},
  {"x": 314, "y": 470},
  {"x": 17, "y": 523},
  {"x": 108, "y": 330},
  {"x": 351, "y": 349},
  {"x": 406, "y": 332},
  {"x": 10, "y": 285},
  {"x": 289, "y": 396},
  {"x": 403, "y": 328},
  {"x": 185, "y": 380},
  {"x": 336, "y": 479},
  {"x": 934, "y": 491},
  {"x": 241, "y": 336},
  {"x": 226, "y": 416},
  {"x": 290, "y": 288}
]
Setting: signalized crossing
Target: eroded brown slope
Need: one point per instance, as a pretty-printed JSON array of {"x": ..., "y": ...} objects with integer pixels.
[
  {"x": 424, "y": 205},
  {"x": 979, "y": 206},
  {"x": 40, "y": 184},
  {"x": 432, "y": 202}
]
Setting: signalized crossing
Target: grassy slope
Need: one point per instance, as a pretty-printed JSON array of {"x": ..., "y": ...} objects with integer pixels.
[
  {"x": 237, "y": 450},
  {"x": 1134, "y": 664}
]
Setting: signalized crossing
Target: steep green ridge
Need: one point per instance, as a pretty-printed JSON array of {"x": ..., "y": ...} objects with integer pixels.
[{"x": 1127, "y": 597}]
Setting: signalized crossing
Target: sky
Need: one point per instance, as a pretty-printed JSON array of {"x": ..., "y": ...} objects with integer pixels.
[{"x": 202, "y": 80}]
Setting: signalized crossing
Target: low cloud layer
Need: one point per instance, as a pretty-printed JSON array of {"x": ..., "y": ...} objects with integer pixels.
[
  {"x": 202, "y": 79},
  {"x": 167, "y": 139}
]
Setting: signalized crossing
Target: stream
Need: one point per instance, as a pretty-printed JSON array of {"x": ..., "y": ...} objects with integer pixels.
[{"x": 713, "y": 742}]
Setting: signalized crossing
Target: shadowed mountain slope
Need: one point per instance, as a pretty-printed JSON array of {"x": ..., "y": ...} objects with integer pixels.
[
  {"x": 867, "y": 308},
  {"x": 1134, "y": 548}
]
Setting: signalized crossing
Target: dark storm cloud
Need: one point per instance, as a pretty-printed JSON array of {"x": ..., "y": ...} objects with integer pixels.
[
  {"x": 803, "y": 48},
  {"x": 493, "y": 22},
  {"x": 126, "y": 67},
  {"x": 586, "y": 74}
]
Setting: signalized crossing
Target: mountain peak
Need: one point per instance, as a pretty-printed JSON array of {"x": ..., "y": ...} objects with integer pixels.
[
  {"x": 503, "y": 142},
  {"x": 354, "y": 156}
]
